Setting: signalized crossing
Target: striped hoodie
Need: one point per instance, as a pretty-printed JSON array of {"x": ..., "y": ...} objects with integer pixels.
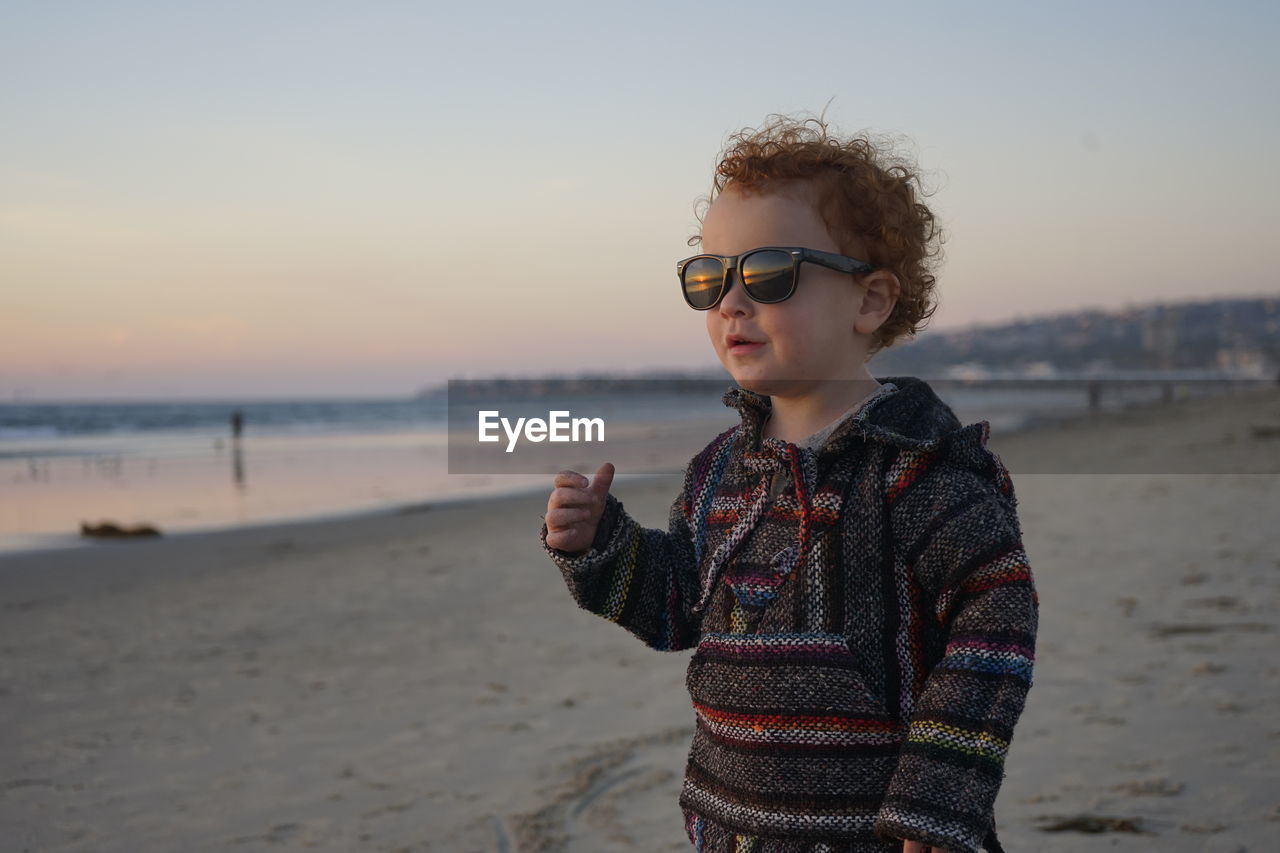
[{"x": 862, "y": 636}]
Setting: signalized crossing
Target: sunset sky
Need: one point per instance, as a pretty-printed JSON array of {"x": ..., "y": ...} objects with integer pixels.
[{"x": 360, "y": 199}]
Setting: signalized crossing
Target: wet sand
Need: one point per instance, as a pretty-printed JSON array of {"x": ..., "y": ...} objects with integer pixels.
[{"x": 421, "y": 680}]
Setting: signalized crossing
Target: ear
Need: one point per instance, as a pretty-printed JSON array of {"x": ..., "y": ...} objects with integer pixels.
[{"x": 880, "y": 294}]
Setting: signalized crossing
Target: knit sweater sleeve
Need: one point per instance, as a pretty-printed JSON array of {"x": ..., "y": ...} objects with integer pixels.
[
  {"x": 645, "y": 580},
  {"x": 961, "y": 537}
]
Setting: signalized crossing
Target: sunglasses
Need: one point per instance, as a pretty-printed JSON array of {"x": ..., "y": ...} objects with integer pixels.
[{"x": 768, "y": 274}]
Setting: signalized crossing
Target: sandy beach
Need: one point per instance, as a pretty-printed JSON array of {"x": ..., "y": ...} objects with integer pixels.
[{"x": 420, "y": 680}]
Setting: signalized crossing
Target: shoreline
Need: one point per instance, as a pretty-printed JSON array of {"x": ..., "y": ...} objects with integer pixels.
[
  {"x": 1050, "y": 445},
  {"x": 304, "y": 525}
]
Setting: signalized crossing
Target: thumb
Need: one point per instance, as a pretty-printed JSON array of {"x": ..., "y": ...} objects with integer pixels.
[{"x": 603, "y": 480}]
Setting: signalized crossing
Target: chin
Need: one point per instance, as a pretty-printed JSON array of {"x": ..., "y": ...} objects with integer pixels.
[
  {"x": 760, "y": 386},
  {"x": 768, "y": 387},
  {"x": 776, "y": 386},
  {"x": 763, "y": 378}
]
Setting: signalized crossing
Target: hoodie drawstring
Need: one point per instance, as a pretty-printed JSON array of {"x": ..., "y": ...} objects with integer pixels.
[{"x": 766, "y": 463}]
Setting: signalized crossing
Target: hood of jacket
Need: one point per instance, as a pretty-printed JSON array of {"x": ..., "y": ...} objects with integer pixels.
[{"x": 913, "y": 418}]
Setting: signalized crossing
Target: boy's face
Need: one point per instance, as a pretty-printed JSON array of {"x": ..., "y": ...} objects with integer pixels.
[{"x": 810, "y": 337}]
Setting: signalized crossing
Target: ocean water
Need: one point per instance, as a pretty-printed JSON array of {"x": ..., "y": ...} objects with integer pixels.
[
  {"x": 27, "y": 427},
  {"x": 175, "y": 464}
]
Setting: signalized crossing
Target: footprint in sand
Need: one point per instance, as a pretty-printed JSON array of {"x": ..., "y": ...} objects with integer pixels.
[
  {"x": 1158, "y": 787},
  {"x": 1208, "y": 668},
  {"x": 1218, "y": 602},
  {"x": 1091, "y": 824},
  {"x": 596, "y": 810},
  {"x": 1164, "y": 631}
]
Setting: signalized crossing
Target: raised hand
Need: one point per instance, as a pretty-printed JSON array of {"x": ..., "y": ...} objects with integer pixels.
[{"x": 575, "y": 507}]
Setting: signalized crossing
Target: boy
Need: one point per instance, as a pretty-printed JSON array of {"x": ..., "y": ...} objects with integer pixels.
[{"x": 846, "y": 562}]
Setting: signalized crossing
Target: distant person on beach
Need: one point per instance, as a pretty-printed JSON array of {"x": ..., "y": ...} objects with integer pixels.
[
  {"x": 846, "y": 563},
  {"x": 237, "y": 423}
]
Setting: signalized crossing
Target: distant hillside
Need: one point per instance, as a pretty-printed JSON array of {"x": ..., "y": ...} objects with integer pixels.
[{"x": 1237, "y": 336}]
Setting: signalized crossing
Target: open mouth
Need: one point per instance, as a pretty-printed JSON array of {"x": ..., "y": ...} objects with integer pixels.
[{"x": 739, "y": 344}]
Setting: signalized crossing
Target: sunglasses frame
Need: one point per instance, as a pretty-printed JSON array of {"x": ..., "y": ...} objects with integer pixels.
[{"x": 798, "y": 254}]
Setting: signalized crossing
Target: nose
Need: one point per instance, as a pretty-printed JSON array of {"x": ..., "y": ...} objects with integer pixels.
[{"x": 734, "y": 302}]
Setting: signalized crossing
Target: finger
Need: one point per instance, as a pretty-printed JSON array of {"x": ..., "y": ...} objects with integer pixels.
[
  {"x": 603, "y": 479},
  {"x": 567, "y": 496},
  {"x": 565, "y": 541},
  {"x": 562, "y": 519},
  {"x": 572, "y": 479}
]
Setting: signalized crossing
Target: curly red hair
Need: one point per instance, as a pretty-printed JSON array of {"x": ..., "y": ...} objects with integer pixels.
[{"x": 864, "y": 193}]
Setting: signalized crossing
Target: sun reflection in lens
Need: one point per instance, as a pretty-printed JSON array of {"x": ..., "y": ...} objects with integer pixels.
[
  {"x": 767, "y": 275},
  {"x": 702, "y": 279}
]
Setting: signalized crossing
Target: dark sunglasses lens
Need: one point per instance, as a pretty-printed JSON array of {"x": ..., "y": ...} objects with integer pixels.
[
  {"x": 702, "y": 280},
  {"x": 767, "y": 276}
]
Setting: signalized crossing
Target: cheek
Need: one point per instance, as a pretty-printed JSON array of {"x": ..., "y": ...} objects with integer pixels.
[{"x": 790, "y": 331}]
